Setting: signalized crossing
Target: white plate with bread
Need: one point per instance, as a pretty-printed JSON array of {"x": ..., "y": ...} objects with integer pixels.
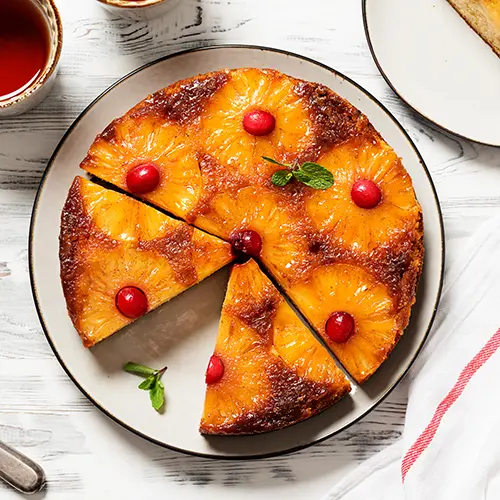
[{"x": 442, "y": 57}]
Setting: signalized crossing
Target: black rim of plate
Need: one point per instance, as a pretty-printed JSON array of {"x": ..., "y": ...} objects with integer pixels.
[
  {"x": 34, "y": 289},
  {"x": 400, "y": 95}
]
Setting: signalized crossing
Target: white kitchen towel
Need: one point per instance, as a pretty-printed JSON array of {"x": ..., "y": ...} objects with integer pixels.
[{"x": 450, "y": 448}]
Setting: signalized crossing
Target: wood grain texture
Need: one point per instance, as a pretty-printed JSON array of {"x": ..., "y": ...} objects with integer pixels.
[{"x": 86, "y": 455}]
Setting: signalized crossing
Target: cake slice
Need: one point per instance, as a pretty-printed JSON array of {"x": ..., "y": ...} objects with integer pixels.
[
  {"x": 268, "y": 371},
  {"x": 120, "y": 259},
  {"x": 483, "y": 16}
]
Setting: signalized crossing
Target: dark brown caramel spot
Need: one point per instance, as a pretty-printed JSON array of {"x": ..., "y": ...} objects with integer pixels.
[
  {"x": 318, "y": 246},
  {"x": 292, "y": 400},
  {"x": 334, "y": 119},
  {"x": 259, "y": 315},
  {"x": 177, "y": 248},
  {"x": 109, "y": 133},
  {"x": 184, "y": 101}
]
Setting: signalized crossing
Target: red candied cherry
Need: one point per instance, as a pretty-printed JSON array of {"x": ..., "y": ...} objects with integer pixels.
[
  {"x": 215, "y": 370},
  {"x": 366, "y": 194},
  {"x": 132, "y": 302},
  {"x": 340, "y": 326},
  {"x": 143, "y": 178},
  {"x": 259, "y": 122},
  {"x": 247, "y": 242}
]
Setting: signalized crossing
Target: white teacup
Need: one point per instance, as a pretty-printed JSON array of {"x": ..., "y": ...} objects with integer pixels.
[{"x": 37, "y": 90}]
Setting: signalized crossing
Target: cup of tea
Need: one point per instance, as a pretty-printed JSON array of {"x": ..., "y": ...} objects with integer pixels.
[
  {"x": 139, "y": 9},
  {"x": 30, "y": 48}
]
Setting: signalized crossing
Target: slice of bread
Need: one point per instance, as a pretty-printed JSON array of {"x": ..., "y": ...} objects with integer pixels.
[{"x": 483, "y": 16}]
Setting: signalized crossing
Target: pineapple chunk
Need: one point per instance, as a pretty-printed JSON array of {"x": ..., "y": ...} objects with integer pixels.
[
  {"x": 350, "y": 289},
  {"x": 222, "y": 135}
]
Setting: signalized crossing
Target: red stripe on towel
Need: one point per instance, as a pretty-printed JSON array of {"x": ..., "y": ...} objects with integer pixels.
[{"x": 429, "y": 432}]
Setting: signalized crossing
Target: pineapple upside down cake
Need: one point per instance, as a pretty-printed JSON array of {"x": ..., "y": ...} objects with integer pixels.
[{"x": 288, "y": 173}]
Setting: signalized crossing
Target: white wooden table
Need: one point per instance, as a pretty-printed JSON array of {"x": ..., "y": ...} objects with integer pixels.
[{"x": 86, "y": 455}]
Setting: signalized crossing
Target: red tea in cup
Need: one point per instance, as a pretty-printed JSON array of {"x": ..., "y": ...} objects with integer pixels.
[{"x": 24, "y": 46}]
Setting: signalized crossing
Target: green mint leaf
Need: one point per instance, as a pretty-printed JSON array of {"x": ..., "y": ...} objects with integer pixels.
[
  {"x": 136, "y": 369},
  {"x": 301, "y": 176},
  {"x": 319, "y": 177},
  {"x": 309, "y": 173},
  {"x": 157, "y": 396},
  {"x": 147, "y": 384},
  {"x": 270, "y": 160},
  {"x": 319, "y": 183},
  {"x": 160, "y": 384},
  {"x": 281, "y": 177},
  {"x": 314, "y": 169}
]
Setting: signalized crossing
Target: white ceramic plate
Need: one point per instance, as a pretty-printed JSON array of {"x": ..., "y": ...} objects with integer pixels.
[
  {"x": 437, "y": 64},
  {"x": 181, "y": 334}
]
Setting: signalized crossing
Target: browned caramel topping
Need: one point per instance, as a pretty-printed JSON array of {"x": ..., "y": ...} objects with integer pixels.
[
  {"x": 77, "y": 230},
  {"x": 73, "y": 216},
  {"x": 177, "y": 248},
  {"x": 185, "y": 102},
  {"x": 109, "y": 133},
  {"x": 292, "y": 399},
  {"x": 216, "y": 179},
  {"x": 259, "y": 315},
  {"x": 335, "y": 120}
]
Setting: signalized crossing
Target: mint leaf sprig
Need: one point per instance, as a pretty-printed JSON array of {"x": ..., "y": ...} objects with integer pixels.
[
  {"x": 151, "y": 383},
  {"x": 309, "y": 173}
]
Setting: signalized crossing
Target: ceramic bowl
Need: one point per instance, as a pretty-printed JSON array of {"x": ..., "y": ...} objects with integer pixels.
[
  {"x": 39, "y": 89},
  {"x": 139, "y": 9}
]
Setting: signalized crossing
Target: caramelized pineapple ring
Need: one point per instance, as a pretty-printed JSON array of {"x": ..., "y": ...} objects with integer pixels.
[
  {"x": 284, "y": 239},
  {"x": 275, "y": 372},
  {"x": 160, "y": 276},
  {"x": 334, "y": 212},
  {"x": 129, "y": 142},
  {"x": 106, "y": 274},
  {"x": 221, "y": 131},
  {"x": 347, "y": 288}
]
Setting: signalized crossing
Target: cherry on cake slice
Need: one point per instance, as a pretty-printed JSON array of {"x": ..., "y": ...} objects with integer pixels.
[
  {"x": 267, "y": 371},
  {"x": 121, "y": 258}
]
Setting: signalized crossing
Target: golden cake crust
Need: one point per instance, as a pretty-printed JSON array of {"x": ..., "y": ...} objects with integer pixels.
[{"x": 224, "y": 185}]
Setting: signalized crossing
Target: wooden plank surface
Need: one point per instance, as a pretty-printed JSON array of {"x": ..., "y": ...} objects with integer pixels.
[{"x": 85, "y": 454}]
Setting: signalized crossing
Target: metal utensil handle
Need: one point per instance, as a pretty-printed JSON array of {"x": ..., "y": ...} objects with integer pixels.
[{"x": 20, "y": 471}]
